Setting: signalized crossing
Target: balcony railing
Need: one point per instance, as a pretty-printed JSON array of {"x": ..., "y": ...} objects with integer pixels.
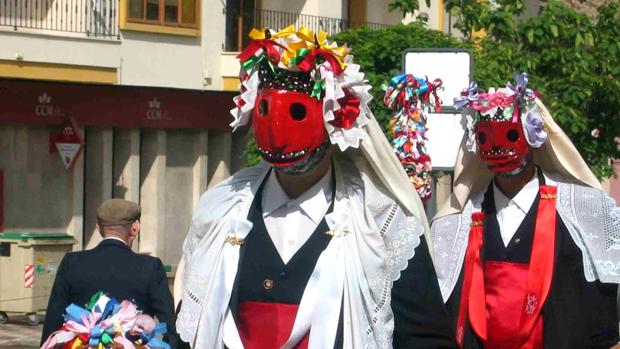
[
  {"x": 92, "y": 18},
  {"x": 236, "y": 39}
]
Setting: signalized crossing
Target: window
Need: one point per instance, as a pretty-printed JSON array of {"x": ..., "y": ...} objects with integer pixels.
[{"x": 175, "y": 13}]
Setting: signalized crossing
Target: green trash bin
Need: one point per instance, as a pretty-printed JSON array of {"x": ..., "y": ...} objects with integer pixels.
[{"x": 28, "y": 265}]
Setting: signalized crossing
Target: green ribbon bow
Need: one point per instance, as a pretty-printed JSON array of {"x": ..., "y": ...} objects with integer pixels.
[
  {"x": 300, "y": 54},
  {"x": 317, "y": 89},
  {"x": 254, "y": 61}
]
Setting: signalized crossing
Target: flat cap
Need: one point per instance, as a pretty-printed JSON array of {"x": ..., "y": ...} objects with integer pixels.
[{"x": 118, "y": 212}]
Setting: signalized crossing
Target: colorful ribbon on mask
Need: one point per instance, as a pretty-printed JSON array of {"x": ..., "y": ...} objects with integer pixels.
[
  {"x": 263, "y": 46},
  {"x": 509, "y": 99},
  {"x": 320, "y": 51}
]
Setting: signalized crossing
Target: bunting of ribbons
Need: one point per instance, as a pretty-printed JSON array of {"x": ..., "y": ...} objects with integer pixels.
[
  {"x": 107, "y": 324},
  {"x": 407, "y": 96}
]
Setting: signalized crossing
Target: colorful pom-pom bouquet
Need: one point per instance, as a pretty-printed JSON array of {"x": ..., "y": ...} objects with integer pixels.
[{"x": 107, "y": 324}]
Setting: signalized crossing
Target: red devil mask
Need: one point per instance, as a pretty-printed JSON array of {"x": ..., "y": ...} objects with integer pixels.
[
  {"x": 288, "y": 126},
  {"x": 502, "y": 145}
]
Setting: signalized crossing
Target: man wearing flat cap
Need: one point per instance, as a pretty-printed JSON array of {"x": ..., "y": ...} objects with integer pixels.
[{"x": 113, "y": 268}]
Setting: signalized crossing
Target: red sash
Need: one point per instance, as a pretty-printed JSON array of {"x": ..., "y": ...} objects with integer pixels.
[
  {"x": 267, "y": 325},
  {"x": 540, "y": 272}
]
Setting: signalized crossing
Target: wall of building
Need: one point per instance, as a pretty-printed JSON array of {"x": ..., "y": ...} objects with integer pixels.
[
  {"x": 37, "y": 187},
  {"x": 142, "y": 59},
  {"x": 213, "y": 34},
  {"x": 377, "y": 12},
  {"x": 163, "y": 60},
  {"x": 322, "y": 8},
  {"x": 24, "y": 47}
]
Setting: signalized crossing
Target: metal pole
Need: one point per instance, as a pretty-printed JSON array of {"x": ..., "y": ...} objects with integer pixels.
[{"x": 240, "y": 27}]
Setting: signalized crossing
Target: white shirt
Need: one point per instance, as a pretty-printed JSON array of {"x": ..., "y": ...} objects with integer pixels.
[
  {"x": 291, "y": 222},
  {"x": 511, "y": 212}
]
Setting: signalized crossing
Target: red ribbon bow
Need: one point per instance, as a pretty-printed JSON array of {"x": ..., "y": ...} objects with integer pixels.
[
  {"x": 309, "y": 61},
  {"x": 348, "y": 112},
  {"x": 268, "y": 46}
]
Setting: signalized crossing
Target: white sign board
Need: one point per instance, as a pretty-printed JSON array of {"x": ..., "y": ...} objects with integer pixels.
[
  {"x": 444, "y": 134},
  {"x": 453, "y": 67}
]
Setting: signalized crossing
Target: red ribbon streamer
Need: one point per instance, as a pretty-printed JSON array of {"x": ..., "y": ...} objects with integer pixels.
[
  {"x": 267, "y": 45},
  {"x": 433, "y": 89},
  {"x": 472, "y": 261}
]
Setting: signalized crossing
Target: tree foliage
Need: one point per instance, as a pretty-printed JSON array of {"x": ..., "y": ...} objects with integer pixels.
[{"x": 409, "y": 7}]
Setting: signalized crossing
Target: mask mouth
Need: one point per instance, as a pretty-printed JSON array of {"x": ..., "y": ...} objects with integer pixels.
[
  {"x": 499, "y": 156},
  {"x": 282, "y": 159}
]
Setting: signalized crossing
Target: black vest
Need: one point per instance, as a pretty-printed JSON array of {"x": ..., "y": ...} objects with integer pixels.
[{"x": 260, "y": 263}]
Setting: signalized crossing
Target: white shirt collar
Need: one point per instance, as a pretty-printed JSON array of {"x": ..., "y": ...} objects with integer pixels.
[
  {"x": 524, "y": 198},
  {"x": 313, "y": 202},
  {"x": 115, "y": 238}
]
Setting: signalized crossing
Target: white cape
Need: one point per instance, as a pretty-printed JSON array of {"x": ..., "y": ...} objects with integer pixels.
[{"x": 373, "y": 240}]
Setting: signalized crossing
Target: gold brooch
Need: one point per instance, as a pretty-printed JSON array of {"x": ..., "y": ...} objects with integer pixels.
[
  {"x": 234, "y": 240},
  {"x": 548, "y": 196},
  {"x": 476, "y": 224},
  {"x": 336, "y": 233}
]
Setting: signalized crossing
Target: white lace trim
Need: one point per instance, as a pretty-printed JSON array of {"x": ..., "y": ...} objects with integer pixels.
[
  {"x": 590, "y": 215},
  {"x": 401, "y": 235},
  {"x": 593, "y": 221}
]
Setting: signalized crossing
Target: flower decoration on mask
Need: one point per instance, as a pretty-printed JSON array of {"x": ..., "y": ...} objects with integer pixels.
[
  {"x": 300, "y": 91},
  {"x": 408, "y": 97},
  {"x": 502, "y": 124}
]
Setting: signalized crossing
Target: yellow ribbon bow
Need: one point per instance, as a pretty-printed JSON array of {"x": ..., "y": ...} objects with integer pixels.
[{"x": 259, "y": 34}]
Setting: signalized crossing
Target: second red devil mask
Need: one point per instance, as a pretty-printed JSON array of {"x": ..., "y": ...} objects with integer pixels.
[{"x": 502, "y": 145}]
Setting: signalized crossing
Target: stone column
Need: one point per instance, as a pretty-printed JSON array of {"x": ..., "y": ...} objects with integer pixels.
[
  {"x": 201, "y": 165},
  {"x": 153, "y": 191},
  {"x": 98, "y": 180},
  {"x": 220, "y": 142},
  {"x": 127, "y": 167},
  {"x": 76, "y": 225}
]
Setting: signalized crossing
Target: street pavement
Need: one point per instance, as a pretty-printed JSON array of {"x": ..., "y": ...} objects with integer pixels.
[{"x": 18, "y": 334}]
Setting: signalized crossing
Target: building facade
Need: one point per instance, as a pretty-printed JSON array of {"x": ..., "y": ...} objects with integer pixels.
[{"x": 147, "y": 85}]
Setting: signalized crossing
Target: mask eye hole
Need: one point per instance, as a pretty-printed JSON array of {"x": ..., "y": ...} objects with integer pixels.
[
  {"x": 263, "y": 107},
  {"x": 297, "y": 111},
  {"x": 482, "y": 137},
  {"x": 512, "y": 135}
]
